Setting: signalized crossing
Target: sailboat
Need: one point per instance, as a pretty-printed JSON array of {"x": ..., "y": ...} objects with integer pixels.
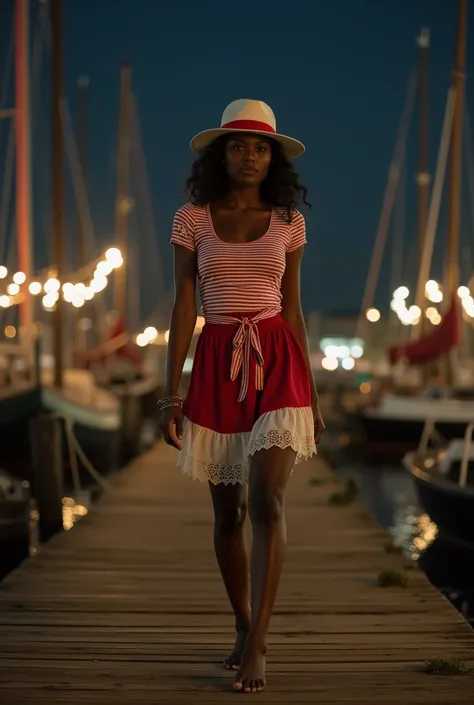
[
  {"x": 443, "y": 476},
  {"x": 20, "y": 372},
  {"x": 395, "y": 423},
  {"x": 91, "y": 417},
  {"x": 118, "y": 362}
]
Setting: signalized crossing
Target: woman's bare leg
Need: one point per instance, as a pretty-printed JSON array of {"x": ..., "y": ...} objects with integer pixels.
[
  {"x": 230, "y": 511},
  {"x": 269, "y": 474}
]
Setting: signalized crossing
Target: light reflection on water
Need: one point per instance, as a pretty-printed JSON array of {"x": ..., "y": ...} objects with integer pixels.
[
  {"x": 73, "y": 509},
  {"x": 413, "y": 531},
  {"x": 389, "y": 494}
]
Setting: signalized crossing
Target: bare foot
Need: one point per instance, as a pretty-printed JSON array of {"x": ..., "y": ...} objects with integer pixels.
[
  {"x": 232, "y": 662},
  {"x": 251, "y": 675}
]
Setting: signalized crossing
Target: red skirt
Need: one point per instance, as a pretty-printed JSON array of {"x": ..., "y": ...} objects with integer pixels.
[{"x": 221, "y": 432}]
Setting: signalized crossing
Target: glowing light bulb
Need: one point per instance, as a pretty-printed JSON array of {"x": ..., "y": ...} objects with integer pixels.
[
  {"x": 372, "y": 315},
  {"x": 34, "y": 288},
  {"x": 19, "y": 278}
]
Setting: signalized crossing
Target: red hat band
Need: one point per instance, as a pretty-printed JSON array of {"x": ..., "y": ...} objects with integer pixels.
[{"x": 248, "y": 125}]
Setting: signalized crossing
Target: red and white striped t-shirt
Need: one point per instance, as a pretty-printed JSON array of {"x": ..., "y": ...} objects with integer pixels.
[{"x": 238, "y": 276}]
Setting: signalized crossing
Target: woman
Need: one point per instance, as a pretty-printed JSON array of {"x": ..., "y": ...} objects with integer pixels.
[{"x": 252, "y": 407}]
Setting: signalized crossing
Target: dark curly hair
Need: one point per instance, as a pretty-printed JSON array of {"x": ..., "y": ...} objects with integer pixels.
[{"x": 209, "y": 181}]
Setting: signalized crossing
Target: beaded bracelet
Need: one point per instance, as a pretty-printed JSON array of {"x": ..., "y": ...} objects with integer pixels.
[{"x": 168, "y": 402}]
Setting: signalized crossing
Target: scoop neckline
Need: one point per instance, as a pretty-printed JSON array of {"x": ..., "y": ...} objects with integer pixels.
[{"x": 251, "y": 242}]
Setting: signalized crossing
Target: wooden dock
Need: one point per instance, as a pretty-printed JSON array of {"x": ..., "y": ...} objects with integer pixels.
[{"x": 128, "y": 607}]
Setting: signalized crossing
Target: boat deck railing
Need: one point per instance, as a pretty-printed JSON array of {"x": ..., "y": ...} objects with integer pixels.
[
  {"x": 430, "y": 433},
  {"x": 18, "y": 365}
]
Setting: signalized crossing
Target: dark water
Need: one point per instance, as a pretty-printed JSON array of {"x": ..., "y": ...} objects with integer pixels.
[
  {"x": 389, "y": 494},
  {"x": 15, "y": 550}
]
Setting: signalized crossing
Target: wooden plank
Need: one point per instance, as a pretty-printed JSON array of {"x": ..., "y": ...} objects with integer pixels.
[{"x": 129, "y": 607}]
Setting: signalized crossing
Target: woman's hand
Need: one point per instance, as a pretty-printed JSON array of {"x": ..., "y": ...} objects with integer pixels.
[
  {"x": 319, "y": 425},
  {"x": 171, "y": 423}
]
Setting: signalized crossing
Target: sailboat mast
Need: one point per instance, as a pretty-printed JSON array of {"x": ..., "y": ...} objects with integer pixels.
[
  {"x": 23, "y": 154},
  {"x": 57, "y": 181},
  {"x": 458, "y": 77},
  {"x": 81, "y": 139},
  {"x": 122, "y": 198},
  {"x": 423, "y": 176}
]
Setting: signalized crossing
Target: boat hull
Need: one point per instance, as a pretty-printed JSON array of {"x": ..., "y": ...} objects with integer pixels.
[
  {"x": 388, "y": 438},
  {"x": 139, "y": 413},
  {"x": 449, "y": 506},
  {"x": 14, "y": 523},
  {"x": 94, "y": 420},
  {"x": 17, "y": 409}
]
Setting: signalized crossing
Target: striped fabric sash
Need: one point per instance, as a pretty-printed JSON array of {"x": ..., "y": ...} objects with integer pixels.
[{"x": 245, "y": 343}]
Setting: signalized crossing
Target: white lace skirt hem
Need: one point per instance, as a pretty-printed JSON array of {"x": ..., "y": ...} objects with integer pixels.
[{"x": 225, "y": 457}]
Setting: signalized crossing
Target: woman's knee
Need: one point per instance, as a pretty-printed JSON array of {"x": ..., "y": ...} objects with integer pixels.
[
  {"x": 269, "y": 474},
  {"x": 266, "y": 506},
  {"x": 230, "y": 511},
  {"x": 230, "y": 519}
]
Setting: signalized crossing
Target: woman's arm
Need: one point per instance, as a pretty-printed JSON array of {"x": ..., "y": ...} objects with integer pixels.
[
  {"x": 293, "y": 315},
  {"x": 183, "y": 316},
  {"x": 291, "y": 307},
  {"x": 183, "y": 321}
]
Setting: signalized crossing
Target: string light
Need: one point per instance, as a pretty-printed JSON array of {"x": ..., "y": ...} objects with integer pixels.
[
  {"x": 34, "y": 288},
  {"x": 19, "y": 278},
  {"x": 411, "y": 315},
  {"x": 76, "y": 293},
  {"x": 372, "y": 315}
]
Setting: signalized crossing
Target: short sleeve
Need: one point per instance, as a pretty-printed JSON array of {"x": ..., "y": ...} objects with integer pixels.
[
  {"x": 182, "y": 232},
  {"x": 297, "y": 232}
]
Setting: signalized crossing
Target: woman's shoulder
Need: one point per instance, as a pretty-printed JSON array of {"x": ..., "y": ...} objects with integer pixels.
[
  {"x": 292, "y": 232},
  {"x": 188, "y": 224},
  {"x": 297, "y": 218},
  {"x": 190, "y": 216},
  {"x": 190, "y": 211}
]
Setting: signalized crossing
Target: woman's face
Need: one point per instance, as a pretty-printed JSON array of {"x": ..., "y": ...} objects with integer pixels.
[{"x": 247, "y": 159}]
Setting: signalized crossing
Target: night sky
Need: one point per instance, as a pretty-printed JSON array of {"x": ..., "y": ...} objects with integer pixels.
[{"x": 334, "y": 72}]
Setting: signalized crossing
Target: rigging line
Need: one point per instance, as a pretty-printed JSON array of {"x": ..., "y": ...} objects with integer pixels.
[
  {"x": 470, "y": 173},
  {"x": 7, "y": 183},
  {"x": 37, "y": 54},
  {"x": 44, "y": 20},
  {"x": 82, "y": 202},
  {"x": 9, "y": 155},
  {"x": 7, "y": 75},
  {"x": 431, "y": 226},
  {"x": 71, "y": 151},
  {"x": 388, "y": 200},
  {"x": 40, "y": 48},
  {"x": 149, "y": 212},
  {"x": 470, "y": 194},
  {"x": 398, "y": 246},
  {"x": 399, "y": 225},
  {"x": 139, "y": 163}
]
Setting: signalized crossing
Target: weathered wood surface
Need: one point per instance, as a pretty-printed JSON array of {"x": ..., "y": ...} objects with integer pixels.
[{"x": 128, "y": 607}]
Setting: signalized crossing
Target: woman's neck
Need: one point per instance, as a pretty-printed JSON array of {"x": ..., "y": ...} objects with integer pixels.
[{"x": 243, "y": 198}]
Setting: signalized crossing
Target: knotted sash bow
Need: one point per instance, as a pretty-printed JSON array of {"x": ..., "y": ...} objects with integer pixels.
[{"x": 246, "y": 342}]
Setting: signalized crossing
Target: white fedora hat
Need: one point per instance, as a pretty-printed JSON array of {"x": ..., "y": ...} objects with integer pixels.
[{"x": 253, "y": 116}]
